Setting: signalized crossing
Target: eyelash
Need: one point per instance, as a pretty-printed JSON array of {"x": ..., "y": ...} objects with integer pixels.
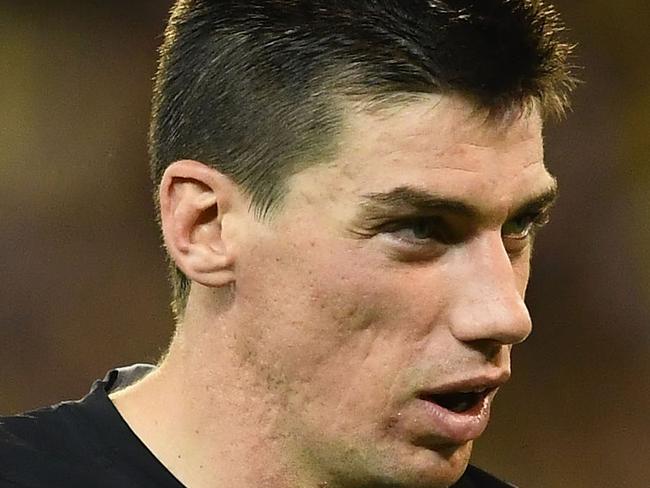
[
  {"x": 439, "y": 231},
  {"x": 535, "y": 221},
  {"x": 442, "y": 233}
]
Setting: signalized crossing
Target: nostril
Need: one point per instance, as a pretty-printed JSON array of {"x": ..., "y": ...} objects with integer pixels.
[{"x": 490, "y": 349}]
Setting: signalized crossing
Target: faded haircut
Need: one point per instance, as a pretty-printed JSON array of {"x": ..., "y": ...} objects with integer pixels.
[{"x": 254, "y": 88}]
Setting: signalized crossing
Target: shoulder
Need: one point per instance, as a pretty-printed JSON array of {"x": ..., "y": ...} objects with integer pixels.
[
  {"x": 79, "y": 443},
  {"x": 45, "y": 444}
]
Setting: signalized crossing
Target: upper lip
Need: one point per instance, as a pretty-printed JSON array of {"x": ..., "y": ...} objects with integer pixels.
[{"x": 476, "y": 383}]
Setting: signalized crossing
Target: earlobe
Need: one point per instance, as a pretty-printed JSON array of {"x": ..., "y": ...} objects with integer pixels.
[{"x": 195, "y": 203}]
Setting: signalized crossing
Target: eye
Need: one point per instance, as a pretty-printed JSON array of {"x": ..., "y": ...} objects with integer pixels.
[
  {"x": 419, "y": 230},
  {"x": 521, "y": 227}
]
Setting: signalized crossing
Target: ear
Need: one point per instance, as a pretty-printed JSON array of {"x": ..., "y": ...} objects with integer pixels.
[{"x": 195, "y": 201}]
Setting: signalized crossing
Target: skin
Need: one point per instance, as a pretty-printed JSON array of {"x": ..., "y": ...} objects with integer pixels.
[{"x": 308, "y": 337}]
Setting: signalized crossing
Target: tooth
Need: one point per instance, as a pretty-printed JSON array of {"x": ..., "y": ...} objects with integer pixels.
[{"x": 473, "y": 391}]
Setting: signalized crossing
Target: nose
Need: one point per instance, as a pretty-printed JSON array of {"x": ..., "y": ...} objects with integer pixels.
[{"x": 488, "y": 303}]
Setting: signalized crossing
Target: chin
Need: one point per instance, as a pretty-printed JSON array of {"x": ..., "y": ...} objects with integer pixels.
[
  {"x": 413, "y": 467},
  {"x": 434, "y": 468},
  {"x": 440, "y": 467}
]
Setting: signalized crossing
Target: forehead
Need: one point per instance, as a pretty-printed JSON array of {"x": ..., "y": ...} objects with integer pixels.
[{"x": 442, "y": 145}]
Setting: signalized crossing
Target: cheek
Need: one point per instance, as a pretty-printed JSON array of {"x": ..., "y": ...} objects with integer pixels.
[
  {"x": 318, "y": 309},
  {"x": 366, "y": 325},
  {"x": 521, "y": 270}
]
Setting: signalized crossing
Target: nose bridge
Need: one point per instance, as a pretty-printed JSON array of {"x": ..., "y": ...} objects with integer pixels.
[{"x": 489, "y": 304}]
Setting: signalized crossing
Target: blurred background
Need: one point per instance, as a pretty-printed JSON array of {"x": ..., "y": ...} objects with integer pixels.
[{"x": 84, "y": 283}]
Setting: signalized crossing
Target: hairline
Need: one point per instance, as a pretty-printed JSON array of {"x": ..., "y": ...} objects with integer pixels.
[{"x": 384, "y": 106}]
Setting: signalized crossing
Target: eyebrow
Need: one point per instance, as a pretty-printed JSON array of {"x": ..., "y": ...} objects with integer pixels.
[{"x": 410, "y": 199}]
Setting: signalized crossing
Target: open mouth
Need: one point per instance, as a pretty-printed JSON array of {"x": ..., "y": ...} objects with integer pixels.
[{"x": 458, "y": 402}]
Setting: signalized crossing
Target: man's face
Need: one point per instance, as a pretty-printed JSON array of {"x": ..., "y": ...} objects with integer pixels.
[{"x": 380, "y": 304}]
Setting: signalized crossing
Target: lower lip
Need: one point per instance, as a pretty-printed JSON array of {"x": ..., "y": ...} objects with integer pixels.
[{"x": 459, "y": 428}]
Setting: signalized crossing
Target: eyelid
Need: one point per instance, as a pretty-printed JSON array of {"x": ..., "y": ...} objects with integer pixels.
[
  {"x": 408, "y": 248},
  {"x": 538, "y": 219},
  {"x": 394, "y": 222},
  {"x": 541, "y": 217},
  {"x": 450, "y": 233},
  {"x": 442, "y": 232}
]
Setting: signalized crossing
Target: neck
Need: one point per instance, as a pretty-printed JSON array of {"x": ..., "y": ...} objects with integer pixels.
[{"x": 207, "y": 417}]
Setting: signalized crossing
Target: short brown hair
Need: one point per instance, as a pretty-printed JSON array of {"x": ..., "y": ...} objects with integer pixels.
[{"x": 250, "y": 87}]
